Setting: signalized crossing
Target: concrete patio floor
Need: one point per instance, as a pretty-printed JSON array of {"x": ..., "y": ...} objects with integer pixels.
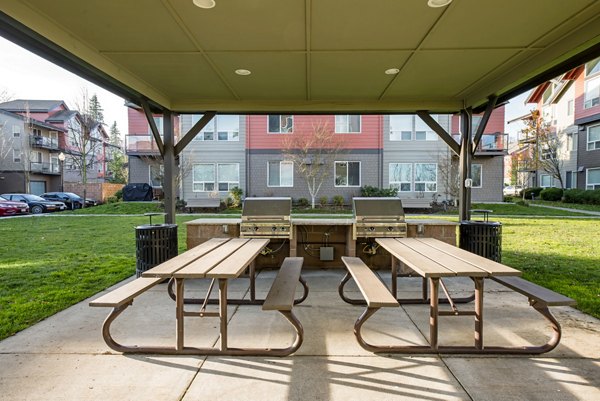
[{"x": 65, "y": 358}]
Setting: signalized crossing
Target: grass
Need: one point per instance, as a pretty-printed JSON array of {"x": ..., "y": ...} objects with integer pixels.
[
  {"x": 49, "y": 263},
  {"x": 578, "y": 206},
  {"x": 121, "y": 208}
]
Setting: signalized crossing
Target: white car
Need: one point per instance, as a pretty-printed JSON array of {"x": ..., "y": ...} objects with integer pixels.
[{"x": 512, "y": 190}]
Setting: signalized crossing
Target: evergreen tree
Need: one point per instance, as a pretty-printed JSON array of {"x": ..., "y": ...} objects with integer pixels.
[
  {"x": 95, "y": 110},
  {"x": 115, "y": 135}
]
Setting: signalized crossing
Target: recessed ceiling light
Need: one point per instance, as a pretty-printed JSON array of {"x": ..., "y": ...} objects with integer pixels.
[
  {"x": 242, "y": 71},
  {"x": 204, "y": 3},
  {"x": 392, "y": 71},
  {"x": 438, "y": 3}
]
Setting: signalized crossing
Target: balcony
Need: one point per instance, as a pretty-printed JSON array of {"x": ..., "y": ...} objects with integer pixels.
[
  {"x": 44, "y": 168},
  {"x": 491, "y": 144},
  {"x": 141, "y": 145},
  {"x": 43, "y": 142}
]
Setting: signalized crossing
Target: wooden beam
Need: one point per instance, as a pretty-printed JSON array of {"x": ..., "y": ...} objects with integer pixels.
[
  {"x": 484, "y": 120},
  {"x": 170, "y": 167},
  {"x": 464, "y": 199},
  {"x": 152, "y": 124},
  {"x": 446, "y": 137},
  {"x": 191, "y": 134}
]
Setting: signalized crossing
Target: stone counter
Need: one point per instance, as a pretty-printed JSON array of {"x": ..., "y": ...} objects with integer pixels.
[{"x": 311, "y": 234}]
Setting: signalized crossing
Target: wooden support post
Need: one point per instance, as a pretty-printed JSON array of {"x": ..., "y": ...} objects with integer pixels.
[
  {"x": 170, "y": 167},
  {"x": 465, "y": 165}
]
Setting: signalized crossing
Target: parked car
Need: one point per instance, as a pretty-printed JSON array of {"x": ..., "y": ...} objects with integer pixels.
[
  {"x": 72, "y": 200},
  {"x": 10, "y": 208},
  {"x": 37, "y": 204},
  {"x": 512, "y": 190}
]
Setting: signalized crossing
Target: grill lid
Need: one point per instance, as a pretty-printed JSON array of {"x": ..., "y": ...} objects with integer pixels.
[
  {"x": 378, "y": 209},
  {"x": 267, "y": 208}
]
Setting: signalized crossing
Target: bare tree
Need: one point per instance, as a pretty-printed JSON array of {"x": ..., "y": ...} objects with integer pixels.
[
  {"x": 448, "y": 173},
  {"x": 313, "y": 155},
  {"x": 184, "y": 168},
  {"x": 545, "y": 147},
  {"x": 84, "y": 145},
  {"x": 5, "y": 96}
]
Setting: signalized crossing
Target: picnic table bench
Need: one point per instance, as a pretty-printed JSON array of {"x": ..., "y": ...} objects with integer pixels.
[
  {"x": 434, "y": 259},
  {"x": 219, "y": 259}
]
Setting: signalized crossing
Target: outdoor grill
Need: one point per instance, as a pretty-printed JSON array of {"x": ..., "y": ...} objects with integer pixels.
[
  {"x": 266, "y": 218},
  {"x": 378, "y": 218}
]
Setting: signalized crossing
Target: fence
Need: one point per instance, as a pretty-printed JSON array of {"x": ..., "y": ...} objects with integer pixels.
[{"x": 97, "y": 191}]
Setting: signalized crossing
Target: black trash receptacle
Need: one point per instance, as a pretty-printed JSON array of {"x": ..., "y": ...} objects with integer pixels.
[
  {"x": 154, "y": 244},
  {"x": 483, "y": 238}
]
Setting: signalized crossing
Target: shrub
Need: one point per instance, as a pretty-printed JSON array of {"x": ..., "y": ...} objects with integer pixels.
[
  {"x": 235, "y": 194},
  {"x": 370, "y": 191},
  {"x": 323, "y": 201},
  {"x": 521, "y": 203},
  {"x": 532, "y": 192},
  {"x": 112, "y": 199},
  {"x": 119, "y": 194},
  {"x": 303, "y": 202},
  {"x": 551, "y": 194},
  {"x": 180, "y": 205},
  {"x": 338, "y": 200},
  {"x": 582, "y": 196}
]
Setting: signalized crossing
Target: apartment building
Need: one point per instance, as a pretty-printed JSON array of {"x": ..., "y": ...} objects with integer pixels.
[
  {"x": 38, "y": 131},
  {"x": 570, "y": 105}
]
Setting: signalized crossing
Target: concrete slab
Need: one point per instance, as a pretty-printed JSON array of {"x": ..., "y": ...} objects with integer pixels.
[{"x": 325, "y": 378}]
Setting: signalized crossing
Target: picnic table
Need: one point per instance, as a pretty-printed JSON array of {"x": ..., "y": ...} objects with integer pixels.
[
  {"x": 219, "y": 259},
  {"x": 434, "y": 260}
]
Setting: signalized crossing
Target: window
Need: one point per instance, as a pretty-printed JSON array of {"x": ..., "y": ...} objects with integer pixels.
[
  {"x": 280, "y": 174},
  {"x": 36, "y": 157},
  {"x": 592, "y": 93},
  {"x": 229, "y": 176},
  {"x": 221, "y": 128},
  {"x": 423, "y": 132},
  {"x": 572, "y": 142},
  {"x": 592, "y": 67},
  {"x": 570, "y": 107},
  {"x": 159, "y": 125},
  {"x": 426, "y": 177},
  {"x": 401, "y": 128},
  {"x": 16, "y": 131},
  {"x": 156, "y": 175},
  {"x": 545, "y": 181},
  {"x": 476, "y": 176},
  {"x": 593, "y": 137},
  {"x": 401, "y": 176},
  {"x": 476, "y": 120},
  {"x": 571, "y": 179},
  {"x": 592, "y": 178},
  {"x": 203, "y": 177},
  {"x": 347, "y": 174},
  {"x": 347, "y": 124},
  {"x": 17, "y": 155},
  {"x": 281, "y": 124},
  {"x": 36, "y": 132}
]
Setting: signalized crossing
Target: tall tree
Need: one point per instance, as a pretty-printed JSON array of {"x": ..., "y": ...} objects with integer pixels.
[
  {"x": 114, "y": 135},
  {"x": 94, "y": 109},
  {"x": 117, "y": 168},
  {"x": 313, "y": 155}
]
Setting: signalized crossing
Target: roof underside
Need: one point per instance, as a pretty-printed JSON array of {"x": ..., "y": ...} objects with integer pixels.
[{"x": 308, "y": 56}]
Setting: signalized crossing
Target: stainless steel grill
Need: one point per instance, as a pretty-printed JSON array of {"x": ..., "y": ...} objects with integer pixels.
[
  {"x": 266, "y": 218},
  {"x": 378, "y": 217}
]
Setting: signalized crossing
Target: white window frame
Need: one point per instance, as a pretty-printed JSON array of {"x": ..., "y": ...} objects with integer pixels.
[
  {"x": 571, "y": 107},
  {"x": 347, "y": 185},
  {"x": 480, "y": 176},
  {"x": 232, "y": 136},
  {"x": 282, "y": 163},
  {"x": 591, "y": 98},
  {"x": 544, "y": 176},
  {"x": 589, "y": 185},
  {"x": 344, "y": 127},
  {"x": 291, "y": 119},
  {"x": 398, "y": 184},
  {"x": 230, "y": 184},
  {"x": 16, "y": 131},
  {"x": 596, "y": 144},
  {"x": 430, "y": 135},
  {"x": 426, "y": 183},
  {"x": 203, "y": 183},
  {"x": 17, "y": 155}
]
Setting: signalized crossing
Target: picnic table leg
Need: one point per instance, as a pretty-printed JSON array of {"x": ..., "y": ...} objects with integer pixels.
[
  {"x": 179, "y": 313},
  {"x": 223, "y": 312},
  {"x": 394, "y": 277},
  {"x": 252, "y": 273},
  {"x": 478, "y": 312},
  {"x": 433, "y": 312}
]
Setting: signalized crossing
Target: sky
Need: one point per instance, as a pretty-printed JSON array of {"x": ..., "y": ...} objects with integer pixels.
[{"x": 24, "y": 75}]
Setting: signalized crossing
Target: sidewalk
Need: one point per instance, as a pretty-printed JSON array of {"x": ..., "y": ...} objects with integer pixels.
[
  {"x": 65, "y": 358},
  {"x": 590, "y": 212}
]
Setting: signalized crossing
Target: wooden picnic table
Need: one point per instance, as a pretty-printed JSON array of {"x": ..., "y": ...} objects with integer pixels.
[{"x": 433, "y": 260}]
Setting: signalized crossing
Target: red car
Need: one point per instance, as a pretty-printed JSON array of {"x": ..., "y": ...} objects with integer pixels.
[{"x": 11, "y": 208}]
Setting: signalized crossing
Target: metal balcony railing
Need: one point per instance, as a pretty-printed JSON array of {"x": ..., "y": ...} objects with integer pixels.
[
  {"x": 141, "y": 144},
  {"x": 44, "y": 168},
  {"x": 490, "y": 143},
  {"x": 43, "y": 142}
]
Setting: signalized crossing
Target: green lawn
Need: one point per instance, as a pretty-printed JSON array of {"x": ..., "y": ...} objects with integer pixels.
[
  {"x": 48, "y": 263},
  {"x": 579, "y": 206}
]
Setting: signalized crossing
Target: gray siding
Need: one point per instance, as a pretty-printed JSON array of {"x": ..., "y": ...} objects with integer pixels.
[
  {"x": 214, "y": 152},
  {"x": 586, "y": 158},
  {"x": 258, "y": 164},
  {"x": 492, "y": 177},
  {"x": 139, "y": 170}
]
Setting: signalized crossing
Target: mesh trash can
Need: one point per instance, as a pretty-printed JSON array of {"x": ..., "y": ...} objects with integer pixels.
[
  {"x": 483, "y": 238},
  {"x": 154, "y": 244}
]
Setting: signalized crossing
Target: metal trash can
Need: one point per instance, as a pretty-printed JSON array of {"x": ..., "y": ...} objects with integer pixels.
[
  {"x": 483, "y": 238},
  {"x": 154, "y": 244}
]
